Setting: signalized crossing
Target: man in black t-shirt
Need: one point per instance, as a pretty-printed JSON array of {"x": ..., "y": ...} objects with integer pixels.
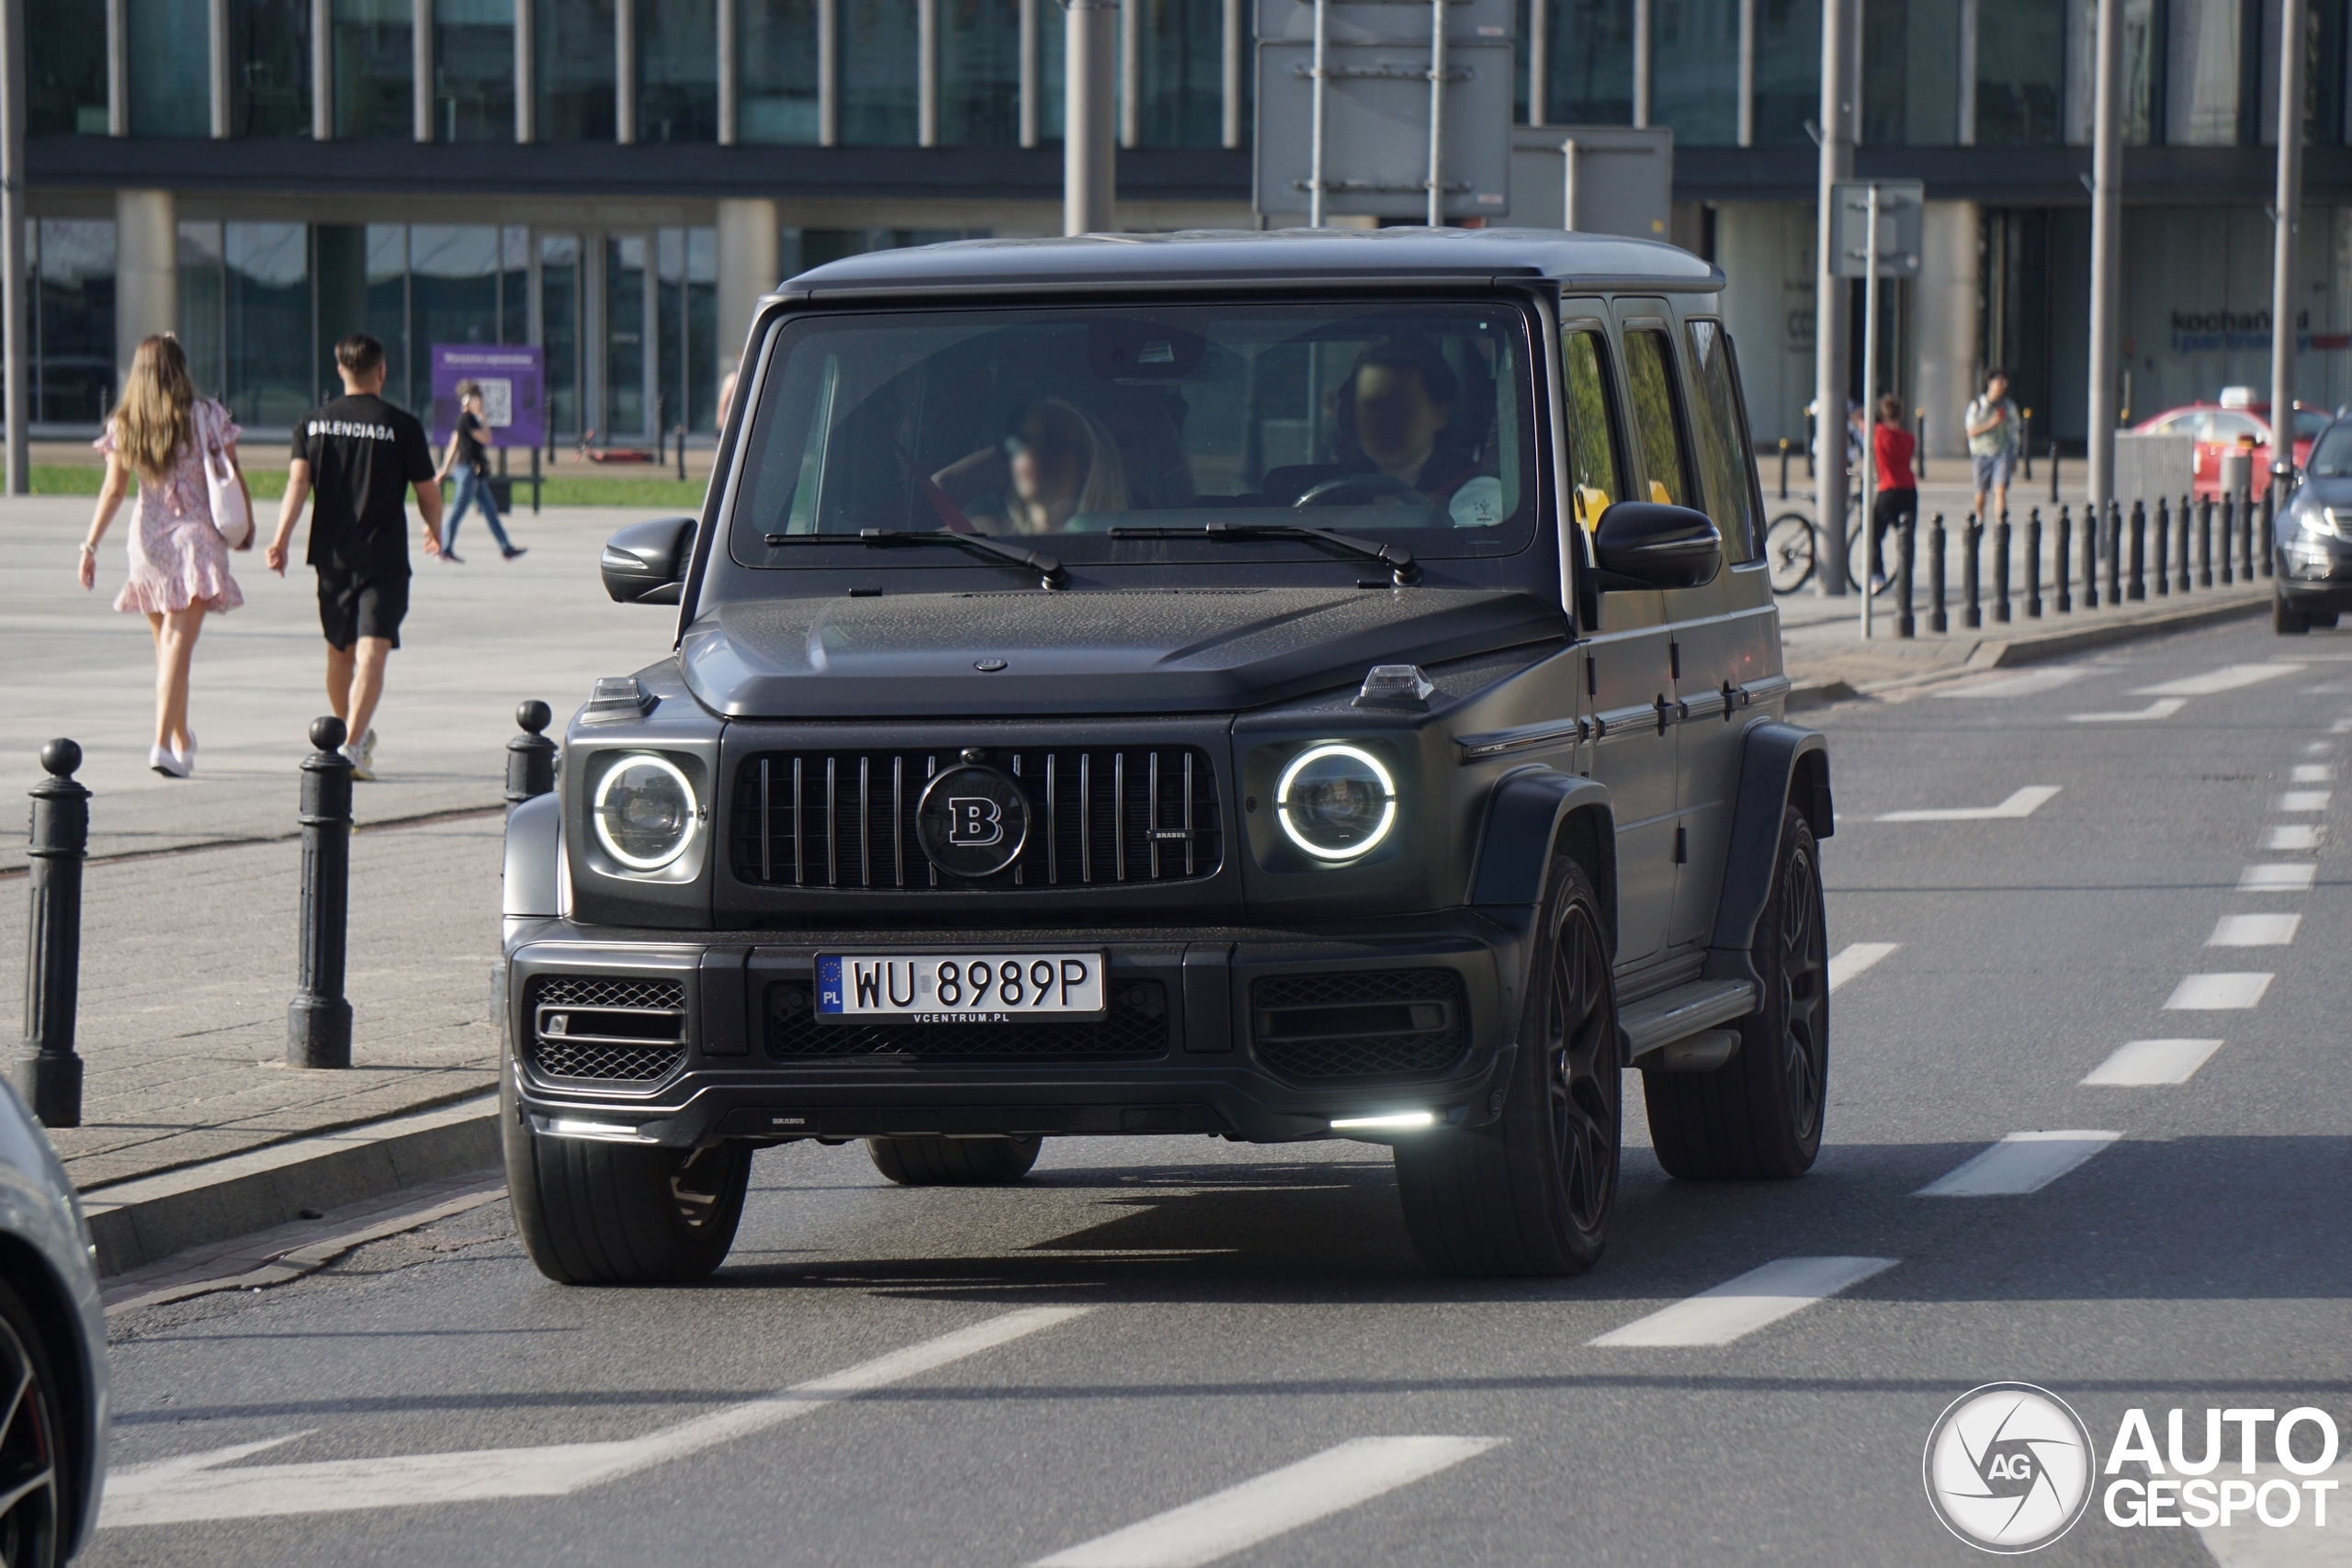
[{"x": 361, "y": 455}]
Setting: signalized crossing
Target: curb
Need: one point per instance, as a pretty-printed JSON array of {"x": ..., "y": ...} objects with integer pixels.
[{"x": 140, "y": 1221}]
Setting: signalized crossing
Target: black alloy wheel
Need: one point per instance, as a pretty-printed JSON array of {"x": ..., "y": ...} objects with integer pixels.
[
  {"x": 1801, "y": 978},
  {"x": 1580, "y": 1071},
  {"x": 31, "y": 1507}
]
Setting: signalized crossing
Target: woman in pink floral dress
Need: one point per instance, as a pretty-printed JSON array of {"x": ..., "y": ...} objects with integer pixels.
[{"x": 179, "y": 563}]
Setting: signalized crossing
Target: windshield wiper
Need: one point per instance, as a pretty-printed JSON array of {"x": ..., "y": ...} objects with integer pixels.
[
  {"x": 1398, "y": 561},
  {"x": 1049, "y": 570}
]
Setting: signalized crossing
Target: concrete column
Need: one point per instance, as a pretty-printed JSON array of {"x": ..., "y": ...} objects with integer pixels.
[
  {"x": 1946, "y": 293},
  {"x": 748, "y": 268},
  {"x": 146, "y": 271}
]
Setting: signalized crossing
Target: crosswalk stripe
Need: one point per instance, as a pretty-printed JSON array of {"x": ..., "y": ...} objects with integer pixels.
[
  {"x": 2277, "y": 876},
  {"x": 2254, "y": 931},
  {"x": 1745, "y": 1305},
  {"x": 1856, "y": 958},
  {"x": 2217, "y": 993},
  {"x": 2144, "y": 1063},
  {"x": 1273, "y": 1504},
  {"x": 2020, "y": 1163},
  {"x": 2304, "y": 800},
  {"x": 2311, "y": 772},
  {"x": 2227, "y": 678},
  {"x": 2021, "y": 802},
  {"x": 193, "y": 1486},
  {"x": 2292, "y": 836},
  {"x": 2163, "y": 707}
]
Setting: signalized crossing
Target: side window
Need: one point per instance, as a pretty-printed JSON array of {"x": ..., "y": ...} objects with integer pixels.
[
  {"x": 1724, "y": 454},
  {"x": 1592, "y": 425},
  {"x": 1657, "y": 417}
]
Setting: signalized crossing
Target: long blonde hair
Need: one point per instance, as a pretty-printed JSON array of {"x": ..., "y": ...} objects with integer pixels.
[
  {"x": 153, "y": 421},
  {"x": 1062, "y": 426}
]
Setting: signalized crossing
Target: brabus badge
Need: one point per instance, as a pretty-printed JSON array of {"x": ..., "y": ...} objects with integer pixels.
[{"x": 972, "y": 821}]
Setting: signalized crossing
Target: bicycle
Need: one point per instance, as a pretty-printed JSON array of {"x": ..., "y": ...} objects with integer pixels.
[{"x": 1791, "y": 543}]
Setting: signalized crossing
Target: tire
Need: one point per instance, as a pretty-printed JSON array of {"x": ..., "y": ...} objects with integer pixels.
[
  {"x": 954, "y": 1162},
  {"x": 1787, "y": 546},
  {"x": 1760, "y": 1114},
  {"x": 1530, "y": 1194},
  {"x": 32, "y": 1451},
  {"x": 595, "y": 1213},
  {"x": 2287, "y": 621},
  {"x": 2324, "y": 622}
]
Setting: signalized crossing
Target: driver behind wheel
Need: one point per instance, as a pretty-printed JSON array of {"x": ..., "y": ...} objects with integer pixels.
[{"x": 1396, "y": 420}]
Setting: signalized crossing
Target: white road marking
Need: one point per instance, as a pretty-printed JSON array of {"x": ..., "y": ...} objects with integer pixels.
[
  {"x": 1856, "y": 958},
  {"x": 194, "y": 1486},
  {"x": 2313, "y": 773},
  {"x": 2254, "y": 931},
  {"x": 2163, "y": 707},
  {"x": 2217, "y": 993},
  {"x": 2024, "y": 803},
  {"x": 2316, "y": 748},
  {"x": 1745, "y": 1305},
  {"x": 2227, "y": 678},
  {"x": 2303, "y": 800},
  {"x": 2293, "y": 836},
  {"x": 2023, "y": 685},
  {"x": 1273, "y": 1504},
  {"x": 2247, "y": 1541},
  {"x": 2277, "y": 876},
  {"x": 2340, "y": 727},
  {"x": 2146, "y": 1062},
  {"x": 2020, "y": 1163}
]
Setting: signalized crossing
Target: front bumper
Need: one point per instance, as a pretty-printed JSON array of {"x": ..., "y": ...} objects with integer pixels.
[
  {"x": 2315, "y": 572},
  {"x": 1223, "y": 1051}
]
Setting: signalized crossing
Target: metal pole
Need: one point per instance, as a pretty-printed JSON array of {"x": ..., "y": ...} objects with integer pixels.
[
  {"x": 2107, "y": 249},
  {"x": 1829, "y": 301},
  {"x": 729, "y": 105},
  {"x": 1089, "y": 145},
  {"x": 1130, "y": 76},
  {"x": 1642, "y": 41},
  {"x": 625, "y": 71},
  {"x": 12, "y": 241},
  {"x": 1568, "y": 184},
  {"x": 2284, "y": 315},
  {"x": 1744, "y": 130},
  {"x": 1031, "y": 92},
  {"x": 829, "y": 72},
  {"x": 46, "y": 1072},
  {"x": 1872, "y": 566},
  {"x": 1314, "y": 131},
  {"x": 420, "y": 65},
  {"x": 530, "y": 756},
  {"x": 1233, "y": 41},
  {"x": 1539, "y": 65},
  {"x": 318, "y": 1023},
  {"x": 1437, "y": 114}
]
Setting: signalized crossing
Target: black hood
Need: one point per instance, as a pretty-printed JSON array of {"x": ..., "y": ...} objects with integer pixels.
[{"x": 1083, "y": 651}]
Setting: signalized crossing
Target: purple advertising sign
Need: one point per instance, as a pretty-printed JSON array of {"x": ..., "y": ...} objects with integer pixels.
[{"x": 513, "y": 390}]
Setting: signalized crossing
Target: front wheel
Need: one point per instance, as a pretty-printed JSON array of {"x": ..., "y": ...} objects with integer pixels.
[
  {"x": 1532, "y": 1193},
  {"x": 34, "y": 1492},
  {"x": 2287, "y": 621},
  {"x": 1788, "y": 547}
]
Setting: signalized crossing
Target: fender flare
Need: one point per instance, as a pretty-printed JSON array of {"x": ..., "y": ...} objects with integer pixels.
[
  {"x": 1524, "y": 812},
  {"x": 1783, "y": 764},
  {"x": 534, "y": 855}
]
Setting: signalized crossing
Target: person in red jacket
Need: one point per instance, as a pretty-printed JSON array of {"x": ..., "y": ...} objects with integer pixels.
[{"x": 1892, "y": 450}]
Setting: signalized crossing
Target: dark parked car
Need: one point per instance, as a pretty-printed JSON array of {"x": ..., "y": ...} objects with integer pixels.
[
  {"x": 1280, "y": 686},
  {"x": 2311, "y": 581}
]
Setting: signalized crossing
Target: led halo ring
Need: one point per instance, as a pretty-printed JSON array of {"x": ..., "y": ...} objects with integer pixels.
[
  {"x": 1315, "y": 754},
  {"x": 603, "y": 788}
]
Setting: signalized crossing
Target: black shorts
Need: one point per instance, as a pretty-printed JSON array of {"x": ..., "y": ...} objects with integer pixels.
[{"x": 353, "y": 606}]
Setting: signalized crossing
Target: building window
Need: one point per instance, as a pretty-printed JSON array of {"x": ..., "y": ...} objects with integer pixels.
[
  {"x": 2021, "y": 71},
  {"x": 375, "y": 93},
  {"x": 269, "y": 67},
  {"x": 625, "y": 364},
  {"x": 452, "y": 295},
  {"x": 1588, "y": 78},
  {"x": 677, "y": 71},
  {"x": 266, "y": 322},
  {"x": 1788, "y": 72},
  {"x": 73, "y": 370},
  {"x": 200, "y": 281},
  {"x": 1694, "y": 70},
  {"x": 776, "y": 71},
  {"x": 877, "y": 64},
  {"x": 575, "y": 45},
  {"x": 473, "y": 70},
  {"x": 65, "y": 63},
  {"x": 2210, "y": 65},
  {"x": 514, "y": 284},
  {"x": 170, "y": 49},
  {"x": 1181, "y": 72},
  {"x": 689, "y": 316},
  {"x": 2144, "y": 67},
  {"x": 979, "y": 72},
  {"x": 559, "y": 301},
  {"x": 386, "y": 291},
  {"x": 1911, "y": 73}
]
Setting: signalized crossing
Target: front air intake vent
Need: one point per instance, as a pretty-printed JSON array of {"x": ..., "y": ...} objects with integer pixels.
[
  {"x": 598, "y": 1029},
  {"x": 1360, "y": 1023}
]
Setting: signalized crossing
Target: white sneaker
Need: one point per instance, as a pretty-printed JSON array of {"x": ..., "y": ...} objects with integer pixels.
[
  {"x": 367, "y": 751},
  {"x": 359, "y": 768},
  {"x": 166, "y": 762}
]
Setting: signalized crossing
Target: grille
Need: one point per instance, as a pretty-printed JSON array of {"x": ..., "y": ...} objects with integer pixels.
[
  {"x": 1098, "y": 815},
  {"x": 1360, "y": 1024},
  {"x": 1137, "y": 1027},
  {"x": 612, "y": 1030}
]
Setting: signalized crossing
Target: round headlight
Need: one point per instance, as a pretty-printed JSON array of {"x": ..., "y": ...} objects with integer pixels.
[
  {"x": 1336, "y": 802},
  {"x": 644, "y": 812}
]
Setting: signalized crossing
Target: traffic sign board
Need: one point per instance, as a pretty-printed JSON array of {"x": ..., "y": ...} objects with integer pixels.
[{"x": 1901, "y": 205}]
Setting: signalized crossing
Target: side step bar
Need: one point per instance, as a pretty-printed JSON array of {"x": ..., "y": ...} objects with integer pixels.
[{"x": 1671, "y": 1017}]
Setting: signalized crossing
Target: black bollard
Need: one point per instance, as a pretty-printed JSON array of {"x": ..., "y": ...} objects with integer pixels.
[
  {"x": 2245, "y": 538},
  {"x": 2053, "y": 475},
  {"x": 2229, "y": 538},
  {"x": 1905, "y": 625},
  {"x": 2205, "y": 542},
  {"x": 2164, "y": 545},
  {"x": 2139, "y": 552},
  {"x": 2111, "y": 545},
  {"x": 2064, "y": 566},
  {"x": 2185, "y": 579},
  {"x": 318, "y": 1023},
  {"x": 530, "y": 756},
  {"x": 2033, "y": 564},
  {"x": 1972, "y": 614},
  {"x": 47, "y": 1072},
  {"x": 1936, "y": 621},
  {"x": 2001, "y": 570},
  {"x": 2269, "y": 521},
  {"x": 1784, "y": 467}
]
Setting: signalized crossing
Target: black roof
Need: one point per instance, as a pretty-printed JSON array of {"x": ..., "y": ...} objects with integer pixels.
[{"x": 1279, "y": 256}]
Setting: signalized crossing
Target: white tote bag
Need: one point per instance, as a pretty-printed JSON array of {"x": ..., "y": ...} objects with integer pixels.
[{"x": 232, "y": 516}]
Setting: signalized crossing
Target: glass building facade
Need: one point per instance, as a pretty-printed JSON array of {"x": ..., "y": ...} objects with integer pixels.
[
  {"x": 574, "y": 60},
  {"x": 65, "y": 62},
  {"x": 375, "y": 64},
  {"x": 473, "y": 70}
]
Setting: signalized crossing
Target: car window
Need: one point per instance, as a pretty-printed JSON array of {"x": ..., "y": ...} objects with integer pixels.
[
  {"x": 2332, "y": 457},
  {"x": 2309, "y": 423},
  {"x": 2182, "y": 424},
  {"x": 1592, "y": 424},
  {"x": 1723, "y": 452},
  {"x": 1657, "y": 417},
  {"x": 2225, "y": 425}
]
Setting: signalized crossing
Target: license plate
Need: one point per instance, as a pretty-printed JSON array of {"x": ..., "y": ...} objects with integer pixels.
[{"x": 967, "y": 987}]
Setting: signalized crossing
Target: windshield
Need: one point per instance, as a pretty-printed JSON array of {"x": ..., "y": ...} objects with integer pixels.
[
  {"x": 1408, "y": 423},
  {"x": 2309, "y": 423},
  {"x": 2332, "y": 458}
]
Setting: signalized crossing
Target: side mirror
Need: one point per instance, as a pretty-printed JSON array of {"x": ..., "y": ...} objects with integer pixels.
[
  {"x": 1645, "y": 545},
  {"x": 645, "y": 563}
]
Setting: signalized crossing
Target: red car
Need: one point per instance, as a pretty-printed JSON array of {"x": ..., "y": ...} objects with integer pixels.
[{"x": 2233, "y": 422}]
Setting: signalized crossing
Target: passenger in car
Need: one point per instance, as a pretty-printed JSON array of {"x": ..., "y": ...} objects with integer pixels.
[{"x": 1057, "y": 464}]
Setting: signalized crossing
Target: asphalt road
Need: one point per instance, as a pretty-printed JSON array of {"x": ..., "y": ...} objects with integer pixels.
[{"x": 999, "y": 1377}]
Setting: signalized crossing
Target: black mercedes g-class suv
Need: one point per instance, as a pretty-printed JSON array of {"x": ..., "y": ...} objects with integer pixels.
[{"x": 1278, "y": 685}]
